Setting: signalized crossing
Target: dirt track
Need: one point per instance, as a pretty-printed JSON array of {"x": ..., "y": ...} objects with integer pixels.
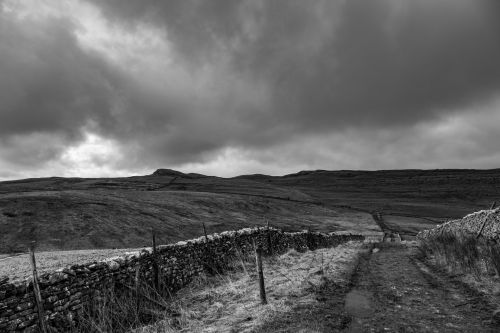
[{"x": 394, "y": 292}]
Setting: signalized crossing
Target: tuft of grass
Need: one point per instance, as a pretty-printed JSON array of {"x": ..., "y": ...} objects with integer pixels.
[
  {"x": 463, "y": 253},
  {"x": 119, "y": 310},
  {"x": 469, "y": 260}
]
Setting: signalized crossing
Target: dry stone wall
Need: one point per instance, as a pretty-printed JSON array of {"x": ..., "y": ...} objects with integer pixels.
[
  {"x": 65, "y": 292},
  {"x": 470, "y": 225}
]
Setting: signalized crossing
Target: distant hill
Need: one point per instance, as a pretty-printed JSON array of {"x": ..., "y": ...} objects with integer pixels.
[
  {"x": 440, "y": 194},
  {"x": 82, "y": 213}
]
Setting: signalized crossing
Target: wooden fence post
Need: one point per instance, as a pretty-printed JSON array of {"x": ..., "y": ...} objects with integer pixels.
[
  {"x": 209, "y": 262},
  {"x": 36, "y": 291},
  {"x": 311, "y": 245},
  {"x": 269, "y": 243},
  {"x": 156, "y": 278},
  {"x": 137, "y": 288},
  {"x": 205, "y": 232},
  {"x": 258, "y": 257}
]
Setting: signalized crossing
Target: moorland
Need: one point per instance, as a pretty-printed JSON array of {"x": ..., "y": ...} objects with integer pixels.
[{"x": 95, "y": 213}]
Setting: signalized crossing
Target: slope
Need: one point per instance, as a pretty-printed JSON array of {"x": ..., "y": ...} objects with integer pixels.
[
  {"x": 409, "y": 200},
  {"x": 79, "y": 213}
]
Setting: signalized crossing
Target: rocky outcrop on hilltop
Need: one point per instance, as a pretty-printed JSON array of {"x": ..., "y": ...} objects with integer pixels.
[
  {"x": 169, "y": 173},
  {"x": 175, "y": 173}
]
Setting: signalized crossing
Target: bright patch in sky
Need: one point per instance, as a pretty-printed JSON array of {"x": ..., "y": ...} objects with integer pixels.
[{"x": 93, "y": 157}]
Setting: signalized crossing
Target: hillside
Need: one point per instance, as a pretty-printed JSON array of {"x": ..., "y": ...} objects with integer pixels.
[
  {"x": 83, "y": 213},
  {"x": 409, "y": 200},
  {"x": 78, "y": 213},
  {"x": 432, "y": 193}
]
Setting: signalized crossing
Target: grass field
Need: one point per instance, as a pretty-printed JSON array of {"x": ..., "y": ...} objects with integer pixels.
[
  {"x": 18, "y": 267},
  {"x": 409, "y": 225},
  {"x": 93, "y": 219}
]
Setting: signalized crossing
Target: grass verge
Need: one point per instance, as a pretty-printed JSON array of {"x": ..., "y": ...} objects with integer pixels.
[
  {"x": 474, "y": 261},
  {"x": 295, "y": 283}
]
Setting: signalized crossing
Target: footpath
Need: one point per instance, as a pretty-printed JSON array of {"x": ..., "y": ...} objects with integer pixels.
[{"x": 395, "y": 292}]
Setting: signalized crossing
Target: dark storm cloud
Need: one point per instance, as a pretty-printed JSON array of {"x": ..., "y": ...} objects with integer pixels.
[
  {"x": 42, "y": 76},
  {"x": 52, "y": 91},
  {"x": 253, "y": 74},
  {"x": 340, "y": 63},
  {"x": 48, "y": 85}
]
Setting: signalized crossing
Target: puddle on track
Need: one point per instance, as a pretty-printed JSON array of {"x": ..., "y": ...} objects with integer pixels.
[{"x": 358, "y": 305}]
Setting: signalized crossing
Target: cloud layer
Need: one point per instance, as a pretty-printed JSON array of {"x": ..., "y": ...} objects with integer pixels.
[{"x": 237, "y": 86}]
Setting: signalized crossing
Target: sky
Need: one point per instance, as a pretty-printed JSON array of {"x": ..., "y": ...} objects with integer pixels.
[{"x": 99, "y": 88}]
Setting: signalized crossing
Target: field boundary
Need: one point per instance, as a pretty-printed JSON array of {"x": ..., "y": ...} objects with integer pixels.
[{"x": 67, "y": 291}]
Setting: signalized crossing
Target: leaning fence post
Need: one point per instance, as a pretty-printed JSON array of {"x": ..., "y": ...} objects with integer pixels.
[
  {"x": 156, "y": 279},
  {"x": 205, "y": 232},
  {"x": 258, "y": 257},
  {"x": 36, "y": 290}
]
